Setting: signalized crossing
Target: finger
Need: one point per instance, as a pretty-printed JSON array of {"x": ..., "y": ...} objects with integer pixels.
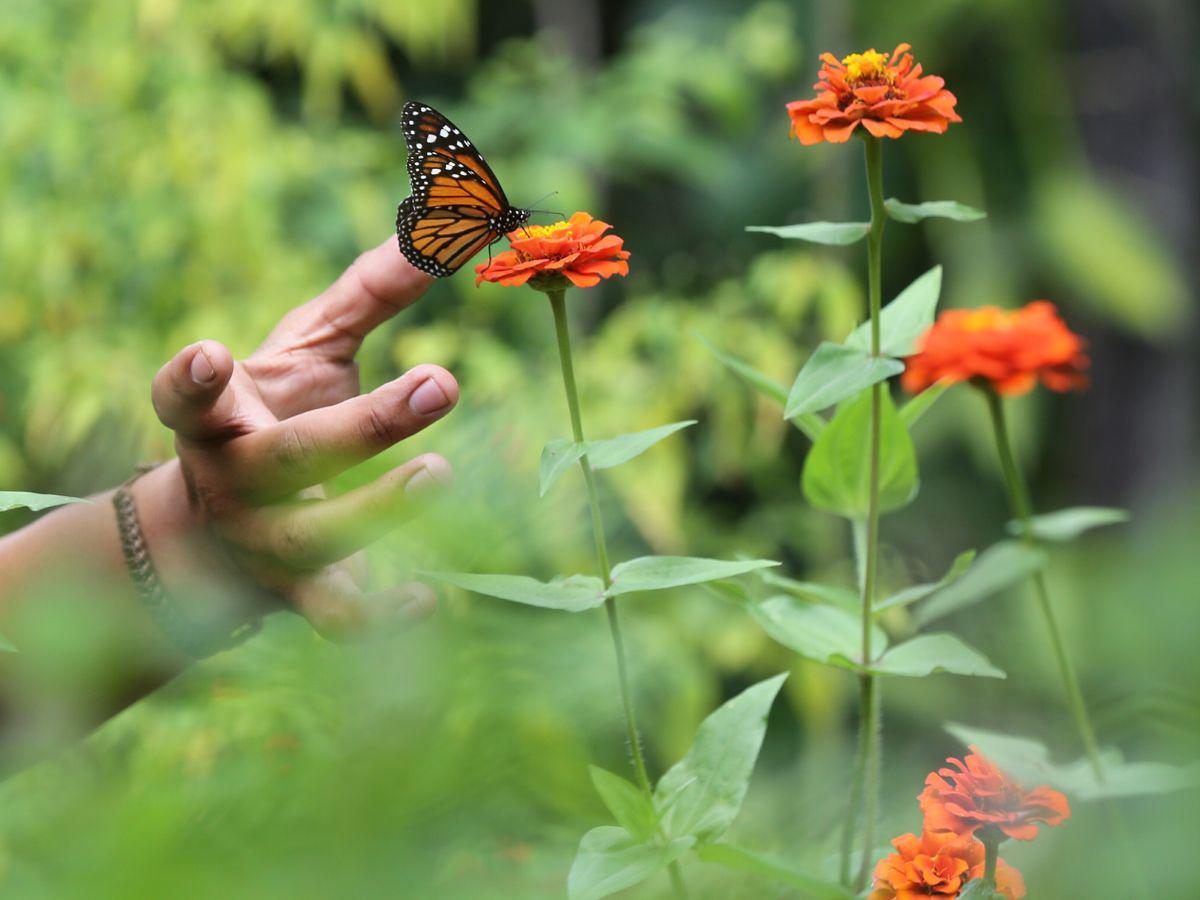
[
  {"x": 189, "y": 391},
  {"x": 376, "y": 286},
  {"x": 315, "y": 446},
  {"x": 312, "y": 535},
  {"x": 339, "y": 611}
]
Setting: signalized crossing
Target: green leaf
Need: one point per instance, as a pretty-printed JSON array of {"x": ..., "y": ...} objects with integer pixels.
[
  {"x": 912, "y": 213},
  {"x": 6, "y": 646},
  {"x": 921, "y": 591},
  {"x": 610, "y": 859},
  {"x": 833, "y": 594},
  {"x": 835, "y": 475},
  {"x": 1068, "y": 524},
  {"x": 980, "y": 889},
  {"x": 824, "y": 634},
  {"x": 810, "y": 423},
  {"x": 609, "y": 452},
  {"x": 25, "y": 500},
  {"x": 1029, "y": 761},
  {"x": 573, "y": 594},
  {"x": 928, "y": 654},
  {"x": 833, "y": 373},
  {"x": 911, "y": 411},
  {"x": 764, "y": 384},
  {"x": 705, "y": 789},
  {"x": 656, "y": 573},
  {"x": 838, "y": 233},
  {"x": 740, "y": 860},
  {"x": 903, "y": 320},
  {"x": 557, "y": 456},
  {"x": 630, "y": 807},
  {"x": 1000, "y": 566}
]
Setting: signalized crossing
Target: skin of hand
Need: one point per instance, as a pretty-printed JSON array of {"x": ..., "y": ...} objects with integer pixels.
[{"x": 256, "y": 438}]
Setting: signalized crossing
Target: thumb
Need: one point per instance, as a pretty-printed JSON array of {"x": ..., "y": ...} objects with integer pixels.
[{"x": 189, "y": 392}]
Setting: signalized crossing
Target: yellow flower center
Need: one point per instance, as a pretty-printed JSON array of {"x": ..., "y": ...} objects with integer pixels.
[
  {"x": 541, "y": 232},
  {"x": 866, "y": 68}
]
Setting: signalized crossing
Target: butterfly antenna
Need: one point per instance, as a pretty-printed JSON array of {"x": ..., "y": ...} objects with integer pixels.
[
  {"x": 549, "y": 212},
  {"x": 540, "y": 199}
]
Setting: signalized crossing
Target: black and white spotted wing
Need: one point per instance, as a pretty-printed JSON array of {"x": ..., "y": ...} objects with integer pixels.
[{"x": 457, "y": 206}]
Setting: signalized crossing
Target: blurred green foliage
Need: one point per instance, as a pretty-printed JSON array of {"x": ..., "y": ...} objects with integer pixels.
[{"x": 173, "y": 170}]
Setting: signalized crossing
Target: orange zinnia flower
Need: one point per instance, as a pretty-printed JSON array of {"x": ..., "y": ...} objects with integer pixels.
[
  {"x": 938, "y": 865},
  {"x": 1009, "y": 349},
  {"x": 888, "y": 96},
  {"x": 577, "y": 252},
  {"x": 975, "y": 795}
]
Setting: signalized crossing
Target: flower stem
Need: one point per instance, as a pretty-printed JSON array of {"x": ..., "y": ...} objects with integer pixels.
[
  {"x": 562, "y": 331},
  {"x": 1018, "y": 495},
  {"x": 870, "y": 744},
  {"x": 991, "y": 858}
]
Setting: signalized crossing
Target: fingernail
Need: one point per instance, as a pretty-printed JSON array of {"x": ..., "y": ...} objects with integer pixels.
[
  {"x": 428, "y": 398},
  {"x": 423, "y": 481},
  {"x": 202, "y": 370}
]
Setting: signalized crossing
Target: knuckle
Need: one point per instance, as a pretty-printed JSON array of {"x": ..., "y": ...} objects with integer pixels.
[
  {"x": 293, "y": 451},
  {"x": 378, "y": 429},
  {"x": 295, "y": 543}
]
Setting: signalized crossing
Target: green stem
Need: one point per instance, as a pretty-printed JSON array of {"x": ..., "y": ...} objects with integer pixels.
[
  {"x": 562, "y": 331},
  {"x": 991, "y": 858},
  {"x": 1018, "y": 495},
  {"x": 870, "y": 743}
]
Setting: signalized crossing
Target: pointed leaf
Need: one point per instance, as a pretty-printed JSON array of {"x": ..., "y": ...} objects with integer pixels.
[
  {"x": 610, "y": 859},
  {"x": 630, "y": 807},
  {"x": 26, "y": 500},
  {"x": 833, "y": 373},
  {"x": 932, "y": 209},
  {"x": 706, "y": 787},
  {"x": 574, "y": 594},
  {"x": 911, "y": 411},
  {"x": 1029, "y": 761},
  {"x": 824, "y": 634},
  {"x": 810, "y": 423},
  {"x": 557, "y": 456},
  {"x": 905, "y": 319},
  {"x": 740, "y": 860},
  {"x": 920, "y": 591},
  {"x": 833, "y": 594},
  {"x": 1000, "y": 566},
  {"x": 604, "y": 454},
  {"x": 1068, "y": 524},
  {"x": 835, "y": 475},
  {"x": 656, "y": 573},
  {"x": 929, "y": 654},
  {"x": 836, "y": 233}
]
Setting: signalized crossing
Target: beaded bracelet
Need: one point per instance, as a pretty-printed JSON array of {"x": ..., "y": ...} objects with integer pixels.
[{"x": 193, "y": 638}]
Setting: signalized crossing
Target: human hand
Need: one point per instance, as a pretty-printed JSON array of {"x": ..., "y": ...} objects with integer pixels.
[{"x": 257, "y": 438}]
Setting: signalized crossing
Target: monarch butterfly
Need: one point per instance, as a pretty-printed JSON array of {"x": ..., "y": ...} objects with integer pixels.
[{"x": 457, "y": 206}]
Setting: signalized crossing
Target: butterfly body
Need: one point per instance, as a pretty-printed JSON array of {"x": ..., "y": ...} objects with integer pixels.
[{"x": 457, "y": 206}]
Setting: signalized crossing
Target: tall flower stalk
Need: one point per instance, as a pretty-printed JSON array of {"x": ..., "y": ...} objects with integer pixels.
[
  {"x": 877, "y": 96},
  {"x": 864, "y": 790},
  {"x": 562, "y": 331},
  {"x": 1022, "y": 510}
]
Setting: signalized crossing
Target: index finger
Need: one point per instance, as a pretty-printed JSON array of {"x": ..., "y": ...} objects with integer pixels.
[{"x": 375, "y": 287}]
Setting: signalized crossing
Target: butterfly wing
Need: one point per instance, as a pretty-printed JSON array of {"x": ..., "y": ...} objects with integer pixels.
[{"x": 457, "y": 205}]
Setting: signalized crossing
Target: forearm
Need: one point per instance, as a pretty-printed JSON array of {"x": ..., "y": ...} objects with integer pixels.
[{"x": 67, "y": 570}]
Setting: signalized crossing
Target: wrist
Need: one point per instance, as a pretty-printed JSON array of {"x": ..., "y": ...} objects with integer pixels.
[{"x": 191, "y": 563}]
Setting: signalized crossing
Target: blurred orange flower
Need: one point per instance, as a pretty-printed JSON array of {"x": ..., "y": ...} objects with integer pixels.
[
  {"x": 575, "y": 252},
  {"x": 886, "y": 95},
  {"x": 974, "y": 795},
  {"x": 1009, "y": 349},
  {"x": 938, "y": 865}
]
